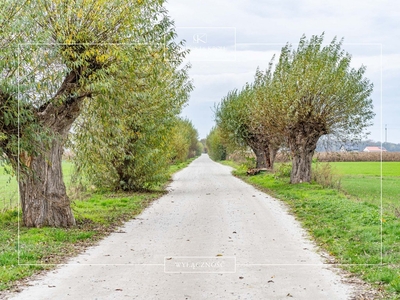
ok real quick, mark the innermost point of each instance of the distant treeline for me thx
(356, 156)
(334, 146)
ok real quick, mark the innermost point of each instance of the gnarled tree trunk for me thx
(261, 158)
(302, 147)
(43, 195)
(301, 166)
(265, 157)
(272, 154)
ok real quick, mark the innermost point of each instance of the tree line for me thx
(103, 78)
(310, 92)
(334, 146)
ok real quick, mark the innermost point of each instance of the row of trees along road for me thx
(311, 91)
(107, 70)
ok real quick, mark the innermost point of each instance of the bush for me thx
(184, 141)
(325, 175)
(249, 163)
(216, 149)
(284, 170)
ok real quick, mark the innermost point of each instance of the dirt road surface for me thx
(211, 237)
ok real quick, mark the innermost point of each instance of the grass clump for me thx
(325, 175)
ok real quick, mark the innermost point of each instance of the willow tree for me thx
(128, 145)
(234, 117)
(183, 140)
(14, 116)
(66, 56)
(215, 147)
(264, 121)
(319, 93)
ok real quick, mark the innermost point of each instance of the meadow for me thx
(363, 182)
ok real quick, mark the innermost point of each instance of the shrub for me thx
(216, 149)
(284, 170)
(325, 175)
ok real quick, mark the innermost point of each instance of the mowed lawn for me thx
(9, 187)
(363, 181)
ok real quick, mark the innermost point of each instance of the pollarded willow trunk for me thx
(43, 195)
(272, 155)
(302, 159)
(261, 158)
(301, 167)
(265, 157)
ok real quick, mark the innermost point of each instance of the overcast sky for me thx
(229, 39)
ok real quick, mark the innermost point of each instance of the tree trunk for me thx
(261, 158)
(301, 167)
(267, 155)
(42, 191)
(302, 158)
(272, 155)
(302, 143)
(43, 195)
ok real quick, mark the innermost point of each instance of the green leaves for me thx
(184, 141)
(124, 138)
(312, 92)
(321, 88)
(216, 149)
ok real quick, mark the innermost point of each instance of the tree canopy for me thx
(127, 145)
(215, 147)
(85, 60)
(319, 93)
(312, 91)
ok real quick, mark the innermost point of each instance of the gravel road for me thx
(211, 237)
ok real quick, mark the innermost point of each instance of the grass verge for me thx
(347, 228)
(96, 217)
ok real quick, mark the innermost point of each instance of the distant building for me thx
(374, 149)
(347, 148)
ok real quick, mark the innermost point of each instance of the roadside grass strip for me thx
(39, 249)
(346, 223)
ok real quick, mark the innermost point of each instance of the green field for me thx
(9, 187)
(8, 191)
(370, 168)
(363, 181)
